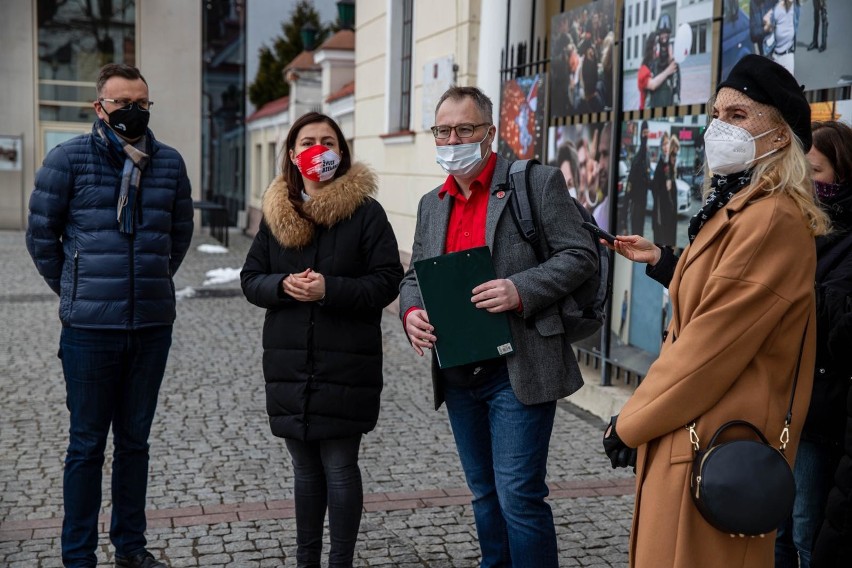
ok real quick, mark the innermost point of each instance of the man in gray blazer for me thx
(502, 410)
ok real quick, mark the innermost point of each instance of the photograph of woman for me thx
(323, 264)
(740, 318)
(664, 190)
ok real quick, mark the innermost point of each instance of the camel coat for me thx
(741, 295)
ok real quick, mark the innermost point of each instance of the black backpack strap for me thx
(518, 178)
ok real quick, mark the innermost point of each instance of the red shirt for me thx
(466, 228)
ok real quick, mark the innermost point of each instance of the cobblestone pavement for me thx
(220, 490)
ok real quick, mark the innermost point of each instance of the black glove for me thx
(619, 454)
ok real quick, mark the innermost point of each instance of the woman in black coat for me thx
(830, 414)
(324, 264)
(664, 212)
(821, 444)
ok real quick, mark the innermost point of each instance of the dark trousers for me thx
(326, 476)
(112, 379)
(503, 446)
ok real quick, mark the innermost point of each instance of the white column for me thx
(492, 39)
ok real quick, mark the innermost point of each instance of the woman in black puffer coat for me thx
(324, 264)
(821, 448)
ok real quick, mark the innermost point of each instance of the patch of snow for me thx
(221, 276)
(212, 249)
(185, 293)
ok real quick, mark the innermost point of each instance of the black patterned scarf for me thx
(134, 163)
(723, 189)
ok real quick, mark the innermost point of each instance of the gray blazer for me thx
(542, 367)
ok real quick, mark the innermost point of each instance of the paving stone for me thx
(215, 467)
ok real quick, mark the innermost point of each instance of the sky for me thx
(264, 25)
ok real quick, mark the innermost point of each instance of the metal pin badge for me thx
(500, 194)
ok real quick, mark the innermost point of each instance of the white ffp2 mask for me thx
(730, 149)
(460, 159)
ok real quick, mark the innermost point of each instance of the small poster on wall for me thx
(438, 76)
(521, 135)
(582, 56)
(795, 34)
(10, 153)
(667, 51)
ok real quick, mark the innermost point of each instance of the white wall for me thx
(173, 71)
(17, 113)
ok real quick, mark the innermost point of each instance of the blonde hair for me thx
(787, 171)
(674, 145)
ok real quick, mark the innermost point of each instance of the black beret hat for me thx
(767, 82)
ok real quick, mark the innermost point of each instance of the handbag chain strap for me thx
(788, 419)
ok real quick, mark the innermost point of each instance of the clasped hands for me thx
(619, 454)
(498, 295)
(305, 286)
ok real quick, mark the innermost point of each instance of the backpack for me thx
(583, 312)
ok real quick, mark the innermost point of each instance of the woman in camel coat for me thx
(742, 300)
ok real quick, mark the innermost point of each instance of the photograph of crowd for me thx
(582, 57)
(521, 134)
(795, 33)
(582, 153)
(666, 54)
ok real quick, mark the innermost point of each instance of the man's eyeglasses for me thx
(126, 104)
(442, 132)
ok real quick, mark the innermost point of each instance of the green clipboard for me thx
(466, 334)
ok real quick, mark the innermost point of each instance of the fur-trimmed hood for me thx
(337, 202)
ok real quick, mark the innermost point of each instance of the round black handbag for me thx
(742, 487)
(745, 487)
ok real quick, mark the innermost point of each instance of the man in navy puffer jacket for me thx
(110, 222)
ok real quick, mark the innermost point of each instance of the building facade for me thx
(49, 63)
(320, 80)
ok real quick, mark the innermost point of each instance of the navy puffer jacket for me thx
(106, 279)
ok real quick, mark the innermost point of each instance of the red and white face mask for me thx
(317, 163)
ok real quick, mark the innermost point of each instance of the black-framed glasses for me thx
(126, 104)
(466, 130)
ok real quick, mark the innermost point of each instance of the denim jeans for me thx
(813, 472)
(112, 378)
(326, 474)
(503, 447)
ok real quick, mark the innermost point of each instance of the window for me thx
(75, 39)
(629, 19)
(702, 38)
(273, 161)
(400, 33)
(645, 11)
(258, 170)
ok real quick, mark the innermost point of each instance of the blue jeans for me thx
(326, 474)
(112, 378)
(503, 447)
(813, 472)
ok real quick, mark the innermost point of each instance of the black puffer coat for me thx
(322, 361)
(830, 414)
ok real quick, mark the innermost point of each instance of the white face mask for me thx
(730, 149)
(461, 159)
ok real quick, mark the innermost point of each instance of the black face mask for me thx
(130, 122)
